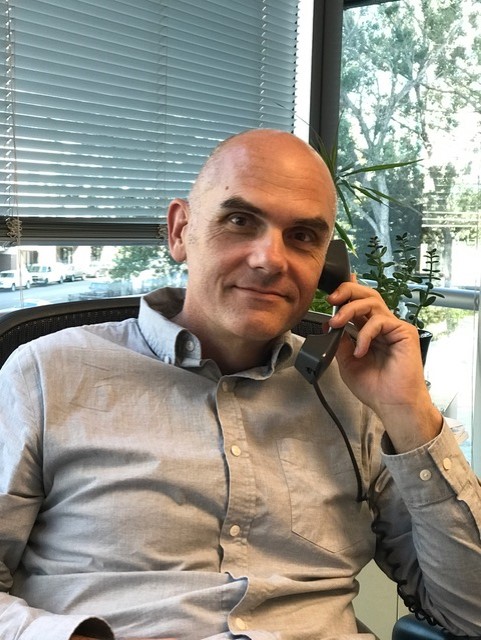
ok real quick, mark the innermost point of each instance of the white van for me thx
(14, 279)
(47, 273)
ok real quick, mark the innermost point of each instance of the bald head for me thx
(254, 234)
(260, 152)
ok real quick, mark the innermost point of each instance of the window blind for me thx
(109, 109)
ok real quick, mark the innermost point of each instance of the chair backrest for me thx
(29, 323)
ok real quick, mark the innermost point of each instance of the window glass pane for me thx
(60, 274)
(410, 92)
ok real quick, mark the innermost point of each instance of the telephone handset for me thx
(318, 351)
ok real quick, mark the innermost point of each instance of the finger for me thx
(385, 331)
(352, 290)
(373, 329)
(359, 311)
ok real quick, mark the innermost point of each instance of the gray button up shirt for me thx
(140, 486)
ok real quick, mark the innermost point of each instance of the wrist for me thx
(411, 426)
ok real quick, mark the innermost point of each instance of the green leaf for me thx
(380, 167)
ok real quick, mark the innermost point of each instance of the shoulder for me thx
(110, 335)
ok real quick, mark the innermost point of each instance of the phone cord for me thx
(361, 495)
(411, 602)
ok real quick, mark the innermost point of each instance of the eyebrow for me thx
(238, 203)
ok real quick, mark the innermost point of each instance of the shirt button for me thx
(235, 450)
(234, 530)
(167, 359)
(240, 624)
(225, 386)
(425, 474)
(447, 463)
(189, 345)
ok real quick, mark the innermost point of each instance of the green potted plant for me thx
(346, 183)
(405, 290)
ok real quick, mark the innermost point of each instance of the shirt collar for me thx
(175, 345)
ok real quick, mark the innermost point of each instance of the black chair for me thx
(29, 323)
(408, 627)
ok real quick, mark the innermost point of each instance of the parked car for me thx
(13, 279)
(96, 270)
(47, 273)
(73, 273)
(106, 289)
(147, 280)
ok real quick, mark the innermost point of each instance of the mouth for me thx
(262, 293)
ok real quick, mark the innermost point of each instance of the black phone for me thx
(317, 352)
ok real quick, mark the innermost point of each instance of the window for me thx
(109, 109)
(410, 90)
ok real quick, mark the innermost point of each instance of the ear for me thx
(177, 220)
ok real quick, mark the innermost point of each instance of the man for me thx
(177, 477)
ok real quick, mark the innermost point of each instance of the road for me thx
(51, 293)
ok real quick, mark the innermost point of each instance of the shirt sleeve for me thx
(21, 494)
(19, 621)
(428, 528)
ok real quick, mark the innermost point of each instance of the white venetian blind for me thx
(109, 108)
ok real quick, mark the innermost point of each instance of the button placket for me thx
(241, 491)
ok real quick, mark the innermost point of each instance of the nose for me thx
(268, 252)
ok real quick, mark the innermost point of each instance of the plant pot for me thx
(424, 341)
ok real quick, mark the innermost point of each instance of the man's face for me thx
(255, 237)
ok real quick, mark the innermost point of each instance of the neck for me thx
(235, 358)
(229, 352)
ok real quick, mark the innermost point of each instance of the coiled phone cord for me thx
(411, 602)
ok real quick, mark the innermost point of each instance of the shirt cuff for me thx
(434, 472)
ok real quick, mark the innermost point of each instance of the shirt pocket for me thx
(322, 491)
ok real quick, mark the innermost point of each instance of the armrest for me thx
(408, 627)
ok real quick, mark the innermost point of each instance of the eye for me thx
(242, 222)
(239, 219)
(304, 235)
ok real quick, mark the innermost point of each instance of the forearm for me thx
(432, 535)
